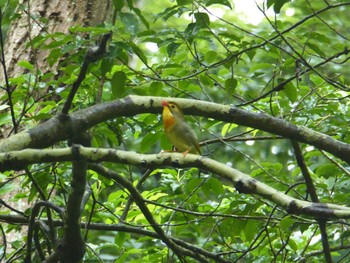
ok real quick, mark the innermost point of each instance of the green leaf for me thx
(230, 85)
(106, 65)
(183, 2)
(54, 55)
(138, 52)
(121, 237)
(118, 84)
(262, 66)
(231, 35)
(291, 92)
(227, 128)
(156, 88)
(250, 230)
(142, 18)
(130, 21)
(219, 2)
(270, 3)
(6, 188)
(293, 245)
(278, 5)
(191, 31)
(171, 48)
(213, 187)
(326, 170)
(172, 11)
(202, 19)
(206, 80)
(148, 141)
(210, 56)
(26, 64)
(286, 224)
(118, 4)
(316, 48)
(216, 186)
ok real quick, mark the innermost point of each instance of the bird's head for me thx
(172, 108)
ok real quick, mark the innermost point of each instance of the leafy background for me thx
(205, 51)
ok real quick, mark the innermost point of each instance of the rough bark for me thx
(46, 17)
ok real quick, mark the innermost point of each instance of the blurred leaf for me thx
(183, 2)
(270, 3)
(54, 56)
(130, 21)
(230, 85)
(316, 48)
(191, 31)
(286, 224)
(202, 19)
(156, 88)
(259, 66)
(220, 2)
(142, 18)
(118, 4)
(138, 52)
(210, 56)
(216, 186)
(3, 107)
(291, 92)
(228, 127)
(171, 48)
(26, 65)
(326, 170)
(148, 141)
(278, 5)
(293, 245)
(106, 65)
(118, 84)
(250, 230)
(6, 188)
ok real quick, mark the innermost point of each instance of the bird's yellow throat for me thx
(168, 118)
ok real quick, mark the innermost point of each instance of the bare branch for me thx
(242, 182)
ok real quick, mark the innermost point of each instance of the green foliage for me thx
(201, 50)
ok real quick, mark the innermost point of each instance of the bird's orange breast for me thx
(168, 119)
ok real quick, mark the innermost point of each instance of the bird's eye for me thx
(173, 106)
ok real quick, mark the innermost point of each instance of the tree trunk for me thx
(38, 16)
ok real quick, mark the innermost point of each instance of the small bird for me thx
(178, 131)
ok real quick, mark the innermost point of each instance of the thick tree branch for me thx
(243, 183)
(59, 128)
(72, 246)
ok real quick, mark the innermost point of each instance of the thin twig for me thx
(312, 191)
(91, 55)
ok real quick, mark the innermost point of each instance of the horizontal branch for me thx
(62, 127)
(242, 182)
(12, 219)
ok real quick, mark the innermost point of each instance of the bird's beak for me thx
(164, 103)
